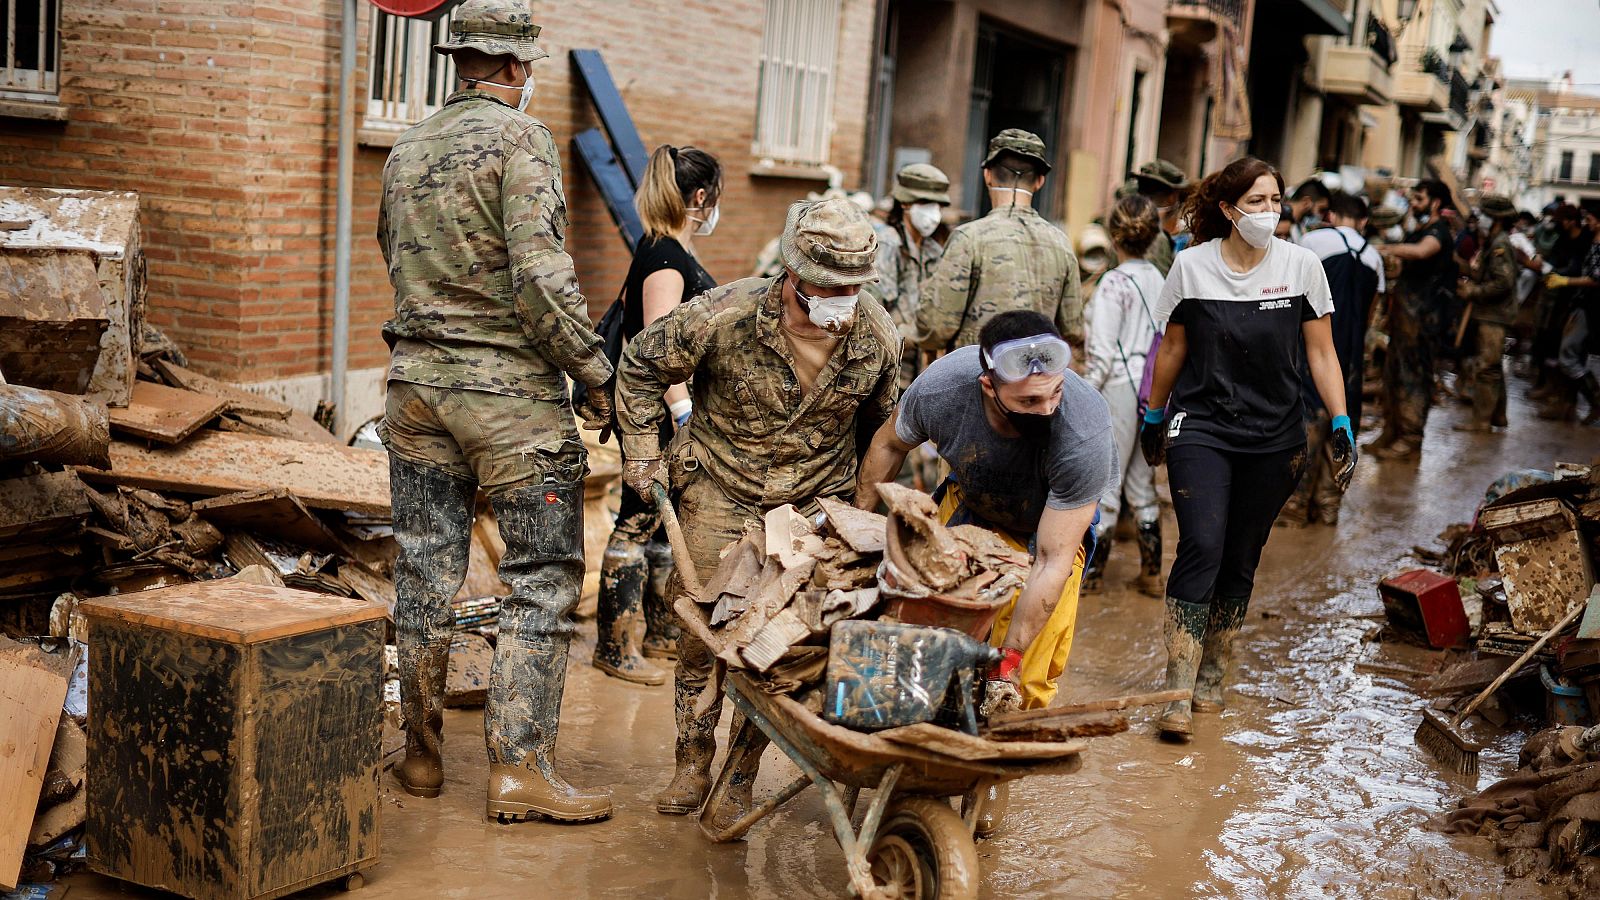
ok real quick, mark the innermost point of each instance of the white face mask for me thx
(924, 217)
(1395, 234)
(834, 315)
(527, 88)
(1484, 225)
(1257, 228)
(709, 223)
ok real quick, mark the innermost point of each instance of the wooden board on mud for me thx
(216, 462)
(950, 742)
(238, 399)
(31, 693)
(273, 512)
(168, 415)
(42, 506)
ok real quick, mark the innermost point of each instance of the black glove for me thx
(1153, 437)
(1343, 446)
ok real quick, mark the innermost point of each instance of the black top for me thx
(1418, 276)
(652, 256)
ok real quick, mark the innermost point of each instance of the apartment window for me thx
(32, 47)
(794, 99)
(1566, 166)
(407, 80)
(1594, 168)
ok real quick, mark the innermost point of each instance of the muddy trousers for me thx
(1488, 385)
(1407, 375)
(633, 579)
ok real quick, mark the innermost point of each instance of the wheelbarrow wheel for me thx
(923, 851)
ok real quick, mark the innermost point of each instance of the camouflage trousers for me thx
(443, 445)
(1407, 374)
(1487, 386)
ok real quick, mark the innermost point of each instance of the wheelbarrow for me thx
(911, 843)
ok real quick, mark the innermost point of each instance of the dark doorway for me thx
(1017, 82)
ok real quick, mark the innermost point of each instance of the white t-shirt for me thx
(1325, 242)
(1239, 388)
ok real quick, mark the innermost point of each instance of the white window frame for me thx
(400, 92)
(795, 85)
(35, 82)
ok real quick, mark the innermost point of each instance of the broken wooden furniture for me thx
(1543, 559)
(234, 738)
(911, 843)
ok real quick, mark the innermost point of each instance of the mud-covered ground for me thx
(1309, 785)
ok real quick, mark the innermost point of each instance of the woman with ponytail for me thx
(1244, 312)
(677, 201)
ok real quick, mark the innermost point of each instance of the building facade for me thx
(224, 118)
(1565, 146)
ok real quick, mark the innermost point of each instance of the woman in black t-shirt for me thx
(1243, 312)
(677, 201)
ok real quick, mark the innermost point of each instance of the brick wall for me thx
(223, 115)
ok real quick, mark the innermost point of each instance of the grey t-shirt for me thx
(1009, 481)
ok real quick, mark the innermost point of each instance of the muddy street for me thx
(1309, 785)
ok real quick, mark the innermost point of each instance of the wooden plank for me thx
(42, 506)
(297, 427)
(239, 400)
(1081, 725)
(596, 78)
(1108, 705)
(273, 512)
(600, 161)
(961, 745)
(161, 413)
(217, 462)
(31, 694)
(231, 610)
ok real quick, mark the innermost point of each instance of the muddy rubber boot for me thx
(693, 751)
(617, 613)
(1183, 627)
(1562, 405)
(1216, 659)
(993, 813)
(1149, 581)
(542, 526)
(740, 796)
(661, 626)
(433, 527)
(1589, 387)
(1094, 571)
(422, 677)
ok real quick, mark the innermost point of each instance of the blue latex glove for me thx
(1343, 446)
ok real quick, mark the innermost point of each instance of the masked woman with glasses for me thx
(678, 201)
(1243, 313)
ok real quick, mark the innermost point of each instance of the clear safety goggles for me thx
(1015, 360)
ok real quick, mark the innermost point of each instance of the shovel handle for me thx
(1571, 616)
(680, 548)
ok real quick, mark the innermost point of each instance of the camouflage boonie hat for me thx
(1023, 143)
(830, 243)
(1497, 206)
(1127, 188)
(920, 181)
(1161, 172)
(495, 28)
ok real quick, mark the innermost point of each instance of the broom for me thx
(1442, 738)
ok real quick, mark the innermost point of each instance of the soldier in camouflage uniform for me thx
(1491, 288)
(1165, 184)
(786, 372)
(488, 324)
(906, 254)
(1010, 259)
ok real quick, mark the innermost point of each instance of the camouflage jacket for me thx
(473, 225)
(1010, 259)
(901, 274)
(1491, 285)
(752, 431)
(1160, 253)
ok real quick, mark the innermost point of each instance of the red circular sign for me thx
(416, 9)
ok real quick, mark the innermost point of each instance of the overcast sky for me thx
(1543, 38)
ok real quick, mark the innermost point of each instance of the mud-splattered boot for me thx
(661, 626)
(543, 529)
(696, 737)
(433, 527)
(618, 611)
(1149, 582)
(740, 796)
(993, 814)
(1183, 627)
(1094, 571)
(1589, 387)
(1216, 660)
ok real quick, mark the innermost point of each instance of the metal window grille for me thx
(408, 81)
(794, 99)
(32, 31)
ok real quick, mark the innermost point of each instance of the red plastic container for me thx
(1427, 605)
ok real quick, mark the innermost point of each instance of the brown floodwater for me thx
(1309, 785)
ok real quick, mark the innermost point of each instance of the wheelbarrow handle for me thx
(680, 548)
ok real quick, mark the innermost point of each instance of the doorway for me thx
(1017, 82)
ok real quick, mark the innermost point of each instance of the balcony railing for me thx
(1458, 93)
(1381, 41)
(1233, 10)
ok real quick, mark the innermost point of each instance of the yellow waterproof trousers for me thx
(1046, 658)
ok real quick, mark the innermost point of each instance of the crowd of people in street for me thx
(1231, 343)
